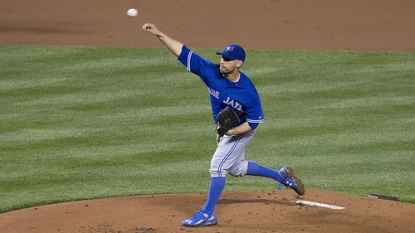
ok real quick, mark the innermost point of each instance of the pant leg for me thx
(229, 156)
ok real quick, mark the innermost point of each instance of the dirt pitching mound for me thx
(254, 211)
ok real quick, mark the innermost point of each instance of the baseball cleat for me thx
(291, 181)
(200, 219)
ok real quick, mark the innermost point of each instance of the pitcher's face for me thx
(228, 66)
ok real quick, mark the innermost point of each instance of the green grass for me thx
(91, 122)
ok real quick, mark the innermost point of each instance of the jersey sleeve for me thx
(253, 112)
(195, 63)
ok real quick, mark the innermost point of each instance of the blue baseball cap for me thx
(234, 52)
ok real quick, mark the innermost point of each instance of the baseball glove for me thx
(227, 119)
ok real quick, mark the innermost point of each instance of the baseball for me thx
(132, 12)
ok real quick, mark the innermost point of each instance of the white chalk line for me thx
(312, 203)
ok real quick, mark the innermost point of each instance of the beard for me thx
(225, 71)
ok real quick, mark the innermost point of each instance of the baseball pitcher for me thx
(237, 111)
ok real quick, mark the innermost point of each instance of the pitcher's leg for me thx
(217, 184)
(255, 169)
(285, 176)
(229, 155)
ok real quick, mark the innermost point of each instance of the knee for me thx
(239, 170)
(217, 173)
(237, 173)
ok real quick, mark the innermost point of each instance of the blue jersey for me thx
(242, 96)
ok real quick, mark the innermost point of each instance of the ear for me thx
(239, 63)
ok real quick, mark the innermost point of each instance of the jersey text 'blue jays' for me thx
(242, 96)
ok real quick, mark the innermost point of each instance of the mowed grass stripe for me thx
(90, 122)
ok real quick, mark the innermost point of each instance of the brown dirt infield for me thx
(380, 25)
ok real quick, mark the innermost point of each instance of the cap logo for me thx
(229, 48)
